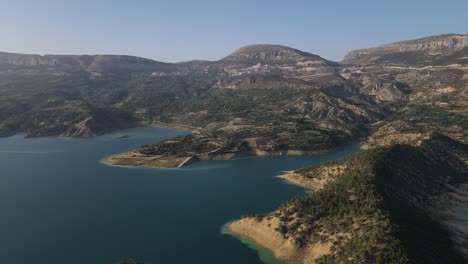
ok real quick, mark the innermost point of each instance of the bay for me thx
(59, 204)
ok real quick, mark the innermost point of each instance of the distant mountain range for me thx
(69, 95)
(96, 63)
(434, 47)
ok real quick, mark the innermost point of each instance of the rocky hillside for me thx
(385, 205)
(424, 80)
(435, 50)
(281, 61)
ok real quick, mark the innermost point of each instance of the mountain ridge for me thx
(427, 48)
(253, 82)
(48, 57)
(444, 40)
(96, 63)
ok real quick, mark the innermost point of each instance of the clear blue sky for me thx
(184, 30)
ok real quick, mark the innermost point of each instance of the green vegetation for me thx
(50, 102)
(181, 146)
(432, 118)
(378, 208)
(412, 124)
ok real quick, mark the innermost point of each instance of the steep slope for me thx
(385, 205)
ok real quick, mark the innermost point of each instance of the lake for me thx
(60, 205)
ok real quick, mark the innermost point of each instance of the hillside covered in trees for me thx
(384, 205)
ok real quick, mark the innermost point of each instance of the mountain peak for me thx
(261, 47)
(270, 53)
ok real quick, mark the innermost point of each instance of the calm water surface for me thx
(59, 205)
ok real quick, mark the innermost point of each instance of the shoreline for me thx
(265, 254)
(262, 230)
(134, 159)
(291, 177)
(262, 233)
(107, 132)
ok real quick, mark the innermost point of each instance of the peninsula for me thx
(385, 205)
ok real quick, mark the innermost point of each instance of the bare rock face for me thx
(419, 51)
(385, 90)
(81, 129)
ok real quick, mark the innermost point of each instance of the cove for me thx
(59, 204)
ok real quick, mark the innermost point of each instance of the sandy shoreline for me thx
(297, 179)
(264, 234)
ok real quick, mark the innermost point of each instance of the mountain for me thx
(95, 63)
(274, 54)
(281, 61)
(287, 99)
(66, 88)
(435, 50)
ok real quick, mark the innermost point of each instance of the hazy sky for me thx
(185, 30)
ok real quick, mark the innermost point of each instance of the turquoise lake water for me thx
(60, 205)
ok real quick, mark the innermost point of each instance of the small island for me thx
(120, 136)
